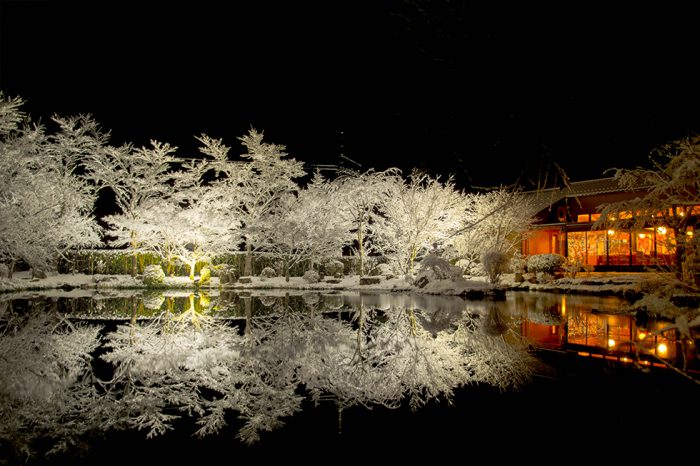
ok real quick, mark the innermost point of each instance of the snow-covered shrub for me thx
(571, 268)
(547, 263)
(495, 263)
(434, 267)
(335, 268)
(518, 263)
(204, 275)
(4, 271)
(227, 273)
(153, 275)
(268, 272)
(311, 276)
(544, 277)
(383, 269)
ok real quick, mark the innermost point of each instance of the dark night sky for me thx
(482, 92)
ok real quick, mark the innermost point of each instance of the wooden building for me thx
(564, 226)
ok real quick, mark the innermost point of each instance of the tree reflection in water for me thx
(187, 364)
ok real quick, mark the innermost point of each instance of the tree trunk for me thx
(248, 267)
(679, 259)
(11, 269)
(192, 265)
(286, 271)
(360, 250)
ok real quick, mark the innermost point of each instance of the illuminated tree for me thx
(417, 215)
(45, 204)
(304, 226)
(266, 177)
(361, 197)
(494, 221)
(136, 176)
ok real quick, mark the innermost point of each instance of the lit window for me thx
(582, 218)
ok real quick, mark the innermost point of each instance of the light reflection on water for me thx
(79, 367)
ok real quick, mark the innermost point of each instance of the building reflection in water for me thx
(563, 322)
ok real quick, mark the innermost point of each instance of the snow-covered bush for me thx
(311, 276)
(518, 263)
(547, 263)
(434, 267)
(572, 268)
(335, 268)
(268, 272)
(153, 275)
(227, 273)
(204, 276)
(495, 263)
(4, 271)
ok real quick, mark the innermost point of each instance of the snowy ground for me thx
(74, 285)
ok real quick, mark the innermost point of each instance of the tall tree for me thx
(418, 214)
(361, 196)
(45, 204)
(304, 226)
(495, 220)
(267, 176)
(135, 176)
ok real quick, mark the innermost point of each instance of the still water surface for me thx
(184, 375)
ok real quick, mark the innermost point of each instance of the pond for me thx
(156, 376)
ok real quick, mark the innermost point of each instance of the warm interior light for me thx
(642, 236)
(611, 232)
(611, 343)
(661, 230)
(641, 335)
(563, 305)
(662, 350)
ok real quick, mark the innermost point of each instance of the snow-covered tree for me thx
(304, 226)
(136, 176)
(417, 215)
(45, 204)
(267, 176)
(672, 192)
(494, 221)
(360, 199)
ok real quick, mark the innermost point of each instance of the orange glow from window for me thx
(661, 230)
(582, 218)
(662, 350)
(595, 217)
(611, 232)
(611, 343)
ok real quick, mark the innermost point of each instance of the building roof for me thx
(547, 197)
